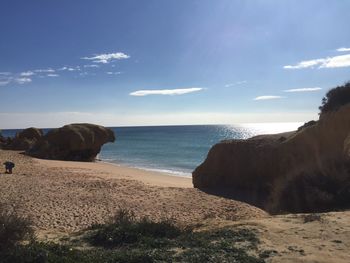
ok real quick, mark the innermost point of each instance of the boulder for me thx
(30, 134)
(74, 142)
(23, 140)
(257, 170)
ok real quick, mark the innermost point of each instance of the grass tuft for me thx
(13, 229)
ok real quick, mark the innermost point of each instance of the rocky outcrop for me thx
(75, 142)
(253, 170)
(23, 140)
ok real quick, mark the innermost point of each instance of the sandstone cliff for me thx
(259, 169)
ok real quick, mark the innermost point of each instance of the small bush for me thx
(312, 217)
(39, 252)
(126, 229)
(165, 242)
(13, 229)
(134, 240)
(307, 124)
(335, 98)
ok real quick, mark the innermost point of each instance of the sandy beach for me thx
(71, 196)
(65, 197)
(105, 170)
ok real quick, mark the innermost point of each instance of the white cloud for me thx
(337, 62)
(49, 70)
(329, 62)
(23, 80)
(305, 64)
(343, 49)
(113, 73)
(303, 89)
(4, 82)
(235, 83)
(106, 58)
(65, 68)
(5, 73)
(27, 73)
(268, 97)
(91, 66)
(52, 75)
(164, 92)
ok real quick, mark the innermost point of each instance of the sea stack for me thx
(23, 140)
(73, 142)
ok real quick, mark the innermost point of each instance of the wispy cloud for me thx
(66, 68)
(303, 89)
(235, 83)
(84, 74)
(52, 75)
(91, 66)
(329, 62)
(268, 97)
(23, 80)
(27, 74)
(343, 49)
(4, 82)
(48, 70)
(108, 57)
(165, 92)
(5, 78)
(113, 73)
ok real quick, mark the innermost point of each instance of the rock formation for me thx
(23, 140)
(76, 142)
(259, 169)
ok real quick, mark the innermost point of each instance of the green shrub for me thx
(335, 98)
(39, 252)
(126, 229)
(135, 240)
(163, 241)
(13, 229)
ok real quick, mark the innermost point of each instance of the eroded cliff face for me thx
(252, 169)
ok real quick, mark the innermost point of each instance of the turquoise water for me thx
(176, 150)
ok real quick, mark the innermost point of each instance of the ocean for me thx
(175, 150)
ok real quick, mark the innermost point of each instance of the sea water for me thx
(176, 150)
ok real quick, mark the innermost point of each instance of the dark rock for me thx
(74, 142)
(23, 140)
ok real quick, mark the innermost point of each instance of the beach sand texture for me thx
(67, 196)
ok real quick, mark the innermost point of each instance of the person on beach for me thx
(8, 167)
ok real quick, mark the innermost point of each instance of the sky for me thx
(162, 62)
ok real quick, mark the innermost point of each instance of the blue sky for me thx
(169, 62)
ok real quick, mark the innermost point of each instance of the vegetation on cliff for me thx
(304, 171)
(335, 98)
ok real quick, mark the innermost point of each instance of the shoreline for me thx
(107, 170)
(161, 171)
